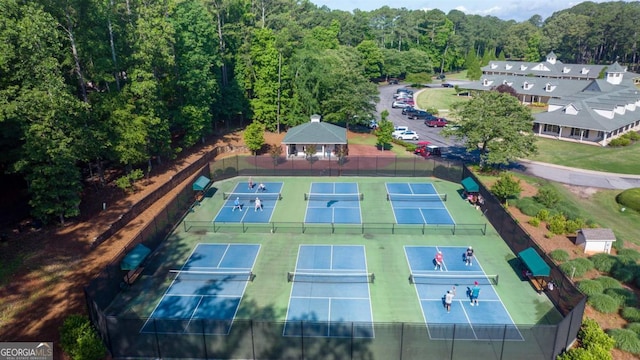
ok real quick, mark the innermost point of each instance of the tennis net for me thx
(252, 196)
(191, 275)
(453, 279)
(417, 197)
(331, 277)
(334, 197)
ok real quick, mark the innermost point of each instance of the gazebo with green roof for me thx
(327, 138)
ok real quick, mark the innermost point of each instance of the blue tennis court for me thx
(247, 196)
(209, 286)
(333, 203)
(418, 203)
(486, 321)
(330, 293)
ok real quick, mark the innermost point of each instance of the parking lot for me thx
(431, 134)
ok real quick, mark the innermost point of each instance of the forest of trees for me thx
(127, 84)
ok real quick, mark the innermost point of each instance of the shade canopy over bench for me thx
(470, 185)
(201, 184)
(135, 257)
(534, 262)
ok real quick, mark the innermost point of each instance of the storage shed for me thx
(596, 240)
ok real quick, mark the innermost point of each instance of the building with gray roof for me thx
(582, 106)
(326, 138)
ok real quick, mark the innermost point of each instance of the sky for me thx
(519, 10)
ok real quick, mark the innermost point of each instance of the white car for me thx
(407, 135)
(399, 104)
(399, 129)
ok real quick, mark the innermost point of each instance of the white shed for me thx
(596, 240)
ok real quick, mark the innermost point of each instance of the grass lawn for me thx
(371, 139)
(439, 98)
(617, 160)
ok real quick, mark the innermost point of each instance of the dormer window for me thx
(487, 82)
(548, 87)
(584, 71)
(508, 67)
(527, 85)
(566, 70)
(508, 83)
(523, 67)
(494, 66)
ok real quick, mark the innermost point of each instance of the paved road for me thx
(562, 174)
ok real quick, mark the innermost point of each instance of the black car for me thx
(447, 85)
(393, 82)
(408, 110)
(421, 115)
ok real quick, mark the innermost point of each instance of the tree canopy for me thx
(127, 84)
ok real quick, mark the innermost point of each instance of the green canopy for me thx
(201, 183)
(534, 262)
(470, 185)
(135, 257)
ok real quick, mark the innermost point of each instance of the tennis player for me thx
(475, 292)
(237, 205)
(438, 260)
(448, 299)
(258, 205)
(262, 188)
(468, 256)
(250, 183)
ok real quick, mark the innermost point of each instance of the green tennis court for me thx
(393, 296)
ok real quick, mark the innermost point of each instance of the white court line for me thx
(424, 316)
(284, 328)
(329, 297)
(223, 255)
(468, 320)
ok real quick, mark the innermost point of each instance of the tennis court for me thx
(486, 321)
(333, 202)
(209, 286)
(247, 197)
(330, 294)
(418, 203)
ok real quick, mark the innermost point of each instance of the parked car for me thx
(404, 90)
(399, 104)
(421, 115)
(447, 85)
(407, 135)
(373, 124)
(408, 110)
(437, 122)
(393, 81)
(399, 129)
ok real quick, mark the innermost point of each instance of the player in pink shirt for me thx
(438, 260)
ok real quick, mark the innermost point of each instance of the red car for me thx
(437, 122)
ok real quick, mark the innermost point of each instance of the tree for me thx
(254, 137)
(497, 124)
(506, 89)
(474, 72)
(506, 187)
(384, 131)
(372, 58)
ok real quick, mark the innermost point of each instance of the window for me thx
(548, 128)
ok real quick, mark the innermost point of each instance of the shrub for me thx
(635, 327)
(534, 222)
(624, 296)
(604, 262)
(574, 268)
(559, 255)
(618, 244)
(593, 353)
(543, 214)
(592, 335)
(590, 287)
(528, 206)
(633, 136)
(572, 226)
(557, 224)
(631, 314)
(626, 340)
(632, 254)
(604, 303)
(630, 198)
(608, 282)
(623, 273)
(80, 340)
(584, 263)
(547, 196)
(621, 141)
